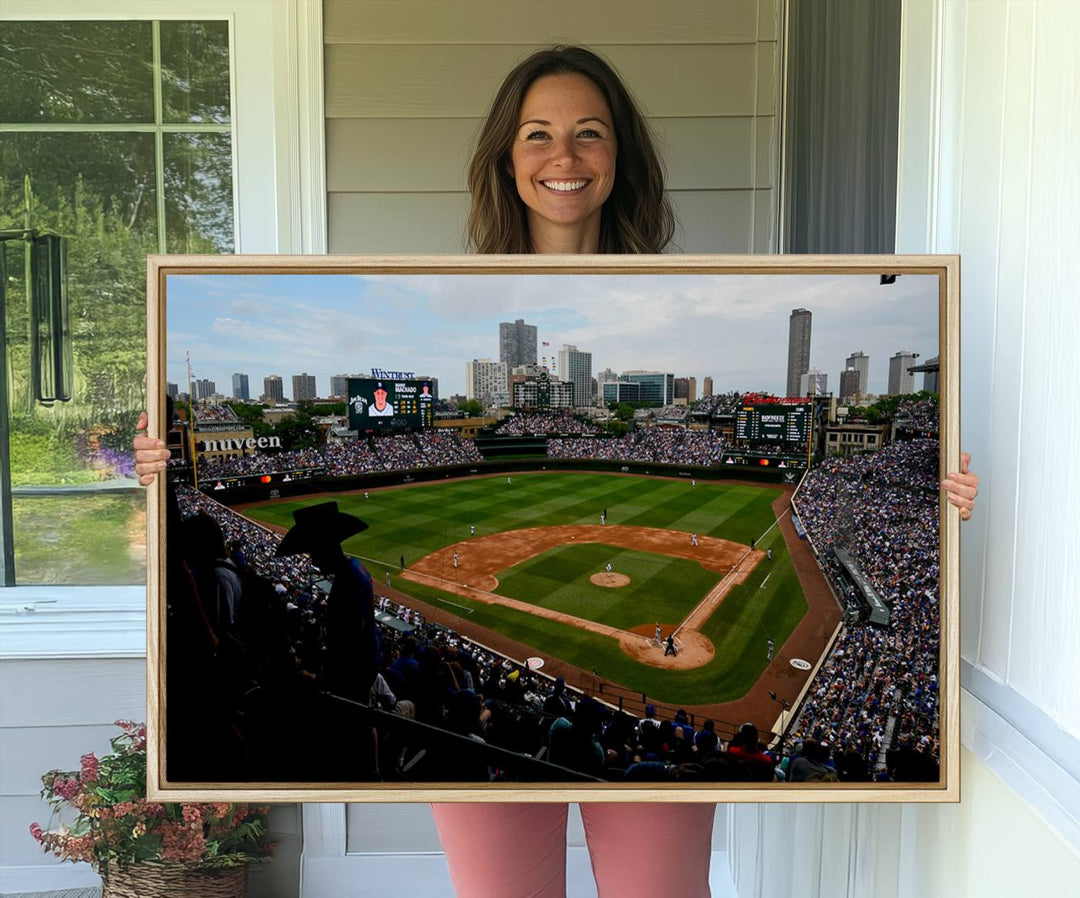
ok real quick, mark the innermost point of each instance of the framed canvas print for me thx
(554, 528)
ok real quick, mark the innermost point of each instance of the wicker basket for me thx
(174, 881)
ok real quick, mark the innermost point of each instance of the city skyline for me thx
(733, 329)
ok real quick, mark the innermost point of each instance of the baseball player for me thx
(693, 539)
(472, 530)
(455, 560)
(603, 518)
(608, 567)
(771, 645)
(658, 636)
(768, 554)
(388, 578)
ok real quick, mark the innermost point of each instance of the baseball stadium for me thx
(693, 595)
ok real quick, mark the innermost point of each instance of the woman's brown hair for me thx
(636, 218)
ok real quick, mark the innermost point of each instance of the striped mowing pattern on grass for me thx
(417, 520)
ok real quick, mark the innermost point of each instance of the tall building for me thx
(517, 343)
(171, 389)
(930, 378)
(860, 361)
(706, 387)
(902, 381)
(273, 389)
(303, 387)
(240, 387)
(339, 384)
(686, 388)
(813, 383)
(798, 348)
(656, 386)
(485, 379)
(576, 367)
(849, 384)
(204, 388)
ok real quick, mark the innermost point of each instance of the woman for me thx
(565, 164)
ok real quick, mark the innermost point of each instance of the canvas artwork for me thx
(517, 529)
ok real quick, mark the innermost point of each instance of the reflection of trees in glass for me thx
(198, 193)
(195, 71)
(98, 187)
(76, 72)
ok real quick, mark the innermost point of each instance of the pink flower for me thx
(65, 788)
(36, 832)
(89, 767)
(192, 814)
(123, 808)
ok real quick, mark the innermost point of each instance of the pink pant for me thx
(519, 850)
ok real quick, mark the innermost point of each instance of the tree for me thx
(472, 408)
(298, 431)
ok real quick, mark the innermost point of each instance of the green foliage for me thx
(298, 431)
(251, 413)
(472, 408)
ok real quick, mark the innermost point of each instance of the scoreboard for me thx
(390, 404)
(773, 423)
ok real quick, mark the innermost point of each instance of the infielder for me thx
(455, 561)
(472, 530)
(693, 539)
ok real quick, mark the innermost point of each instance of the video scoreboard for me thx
(390, 403)
(773, 423)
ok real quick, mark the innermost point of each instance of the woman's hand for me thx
(150, 454)
(962, 488)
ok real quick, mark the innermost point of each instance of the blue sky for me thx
(731, 327)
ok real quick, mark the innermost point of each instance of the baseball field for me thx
(527, 557)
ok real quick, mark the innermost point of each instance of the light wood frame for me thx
(946, 268)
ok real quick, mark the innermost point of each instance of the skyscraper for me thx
(860, 361)
(798, 349)
(339, 385)
(576, 367)
(706, 388)
(303, 387)
(686, 388)
(814, 383)
(484, 379)
(517, 343)
(240, 387)
(849, 384)
(901, 381)
(273, 389)
(204, 388)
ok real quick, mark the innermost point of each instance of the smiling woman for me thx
(560, 118)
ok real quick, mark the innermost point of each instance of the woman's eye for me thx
(536, 135)
(589, 132)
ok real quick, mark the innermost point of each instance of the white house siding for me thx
(408, 82)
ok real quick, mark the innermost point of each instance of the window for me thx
(118, 136)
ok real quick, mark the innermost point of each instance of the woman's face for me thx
(563, 155)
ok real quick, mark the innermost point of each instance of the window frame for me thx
(276, 65)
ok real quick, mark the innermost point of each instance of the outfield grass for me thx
(417, 520)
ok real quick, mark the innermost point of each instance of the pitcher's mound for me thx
(611, 579)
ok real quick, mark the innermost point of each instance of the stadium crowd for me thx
(394, 452)
(544, 423)
(877, 690)
(666, 445)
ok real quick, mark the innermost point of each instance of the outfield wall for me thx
(260, 492)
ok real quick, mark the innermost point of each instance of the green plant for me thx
(115, 823)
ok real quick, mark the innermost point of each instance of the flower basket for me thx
(173, 881)
(146, 849)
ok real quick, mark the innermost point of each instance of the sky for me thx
(733, 328)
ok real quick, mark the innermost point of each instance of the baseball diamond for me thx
(534, 572)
